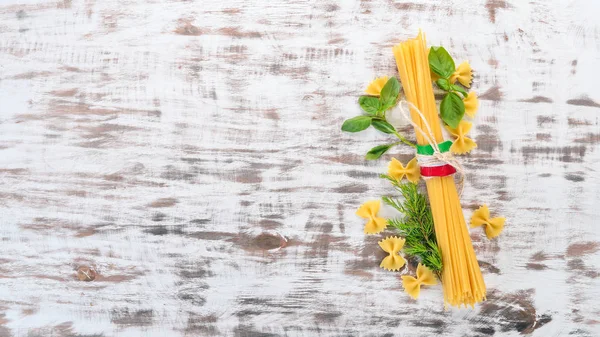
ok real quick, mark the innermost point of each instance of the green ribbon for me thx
(428, 149)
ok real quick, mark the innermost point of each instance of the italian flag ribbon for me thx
(433, 168)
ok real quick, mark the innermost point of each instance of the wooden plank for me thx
(176, 168)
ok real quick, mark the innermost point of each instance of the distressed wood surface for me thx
(176, 168)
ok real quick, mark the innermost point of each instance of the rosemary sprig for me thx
(417, 224)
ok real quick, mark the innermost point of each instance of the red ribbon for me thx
(438, 171)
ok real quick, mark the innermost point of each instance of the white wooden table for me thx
(177, 168)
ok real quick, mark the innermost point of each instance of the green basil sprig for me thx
(452, 108)
(441, 62)
(375, 109)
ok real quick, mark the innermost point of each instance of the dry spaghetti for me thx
(461, 278)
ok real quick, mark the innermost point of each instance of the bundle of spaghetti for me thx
(461, 276)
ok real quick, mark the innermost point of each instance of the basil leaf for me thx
(377, 151)
(369, 104)
(452, 109)
(356, 124)
(385, 107)
(459, 89)
(389, 93)
(383, 126)
(443, 84)
(441, 62)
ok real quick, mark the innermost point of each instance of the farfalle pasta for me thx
(471, 104)
(462, 144)
(412, 285)
(493, 227)
(397, 171)
(463, 74)
(369, 210)
(374, 88)
(392, 246)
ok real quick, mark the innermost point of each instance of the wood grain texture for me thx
(176, 168)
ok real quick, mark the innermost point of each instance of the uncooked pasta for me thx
(461, 276)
